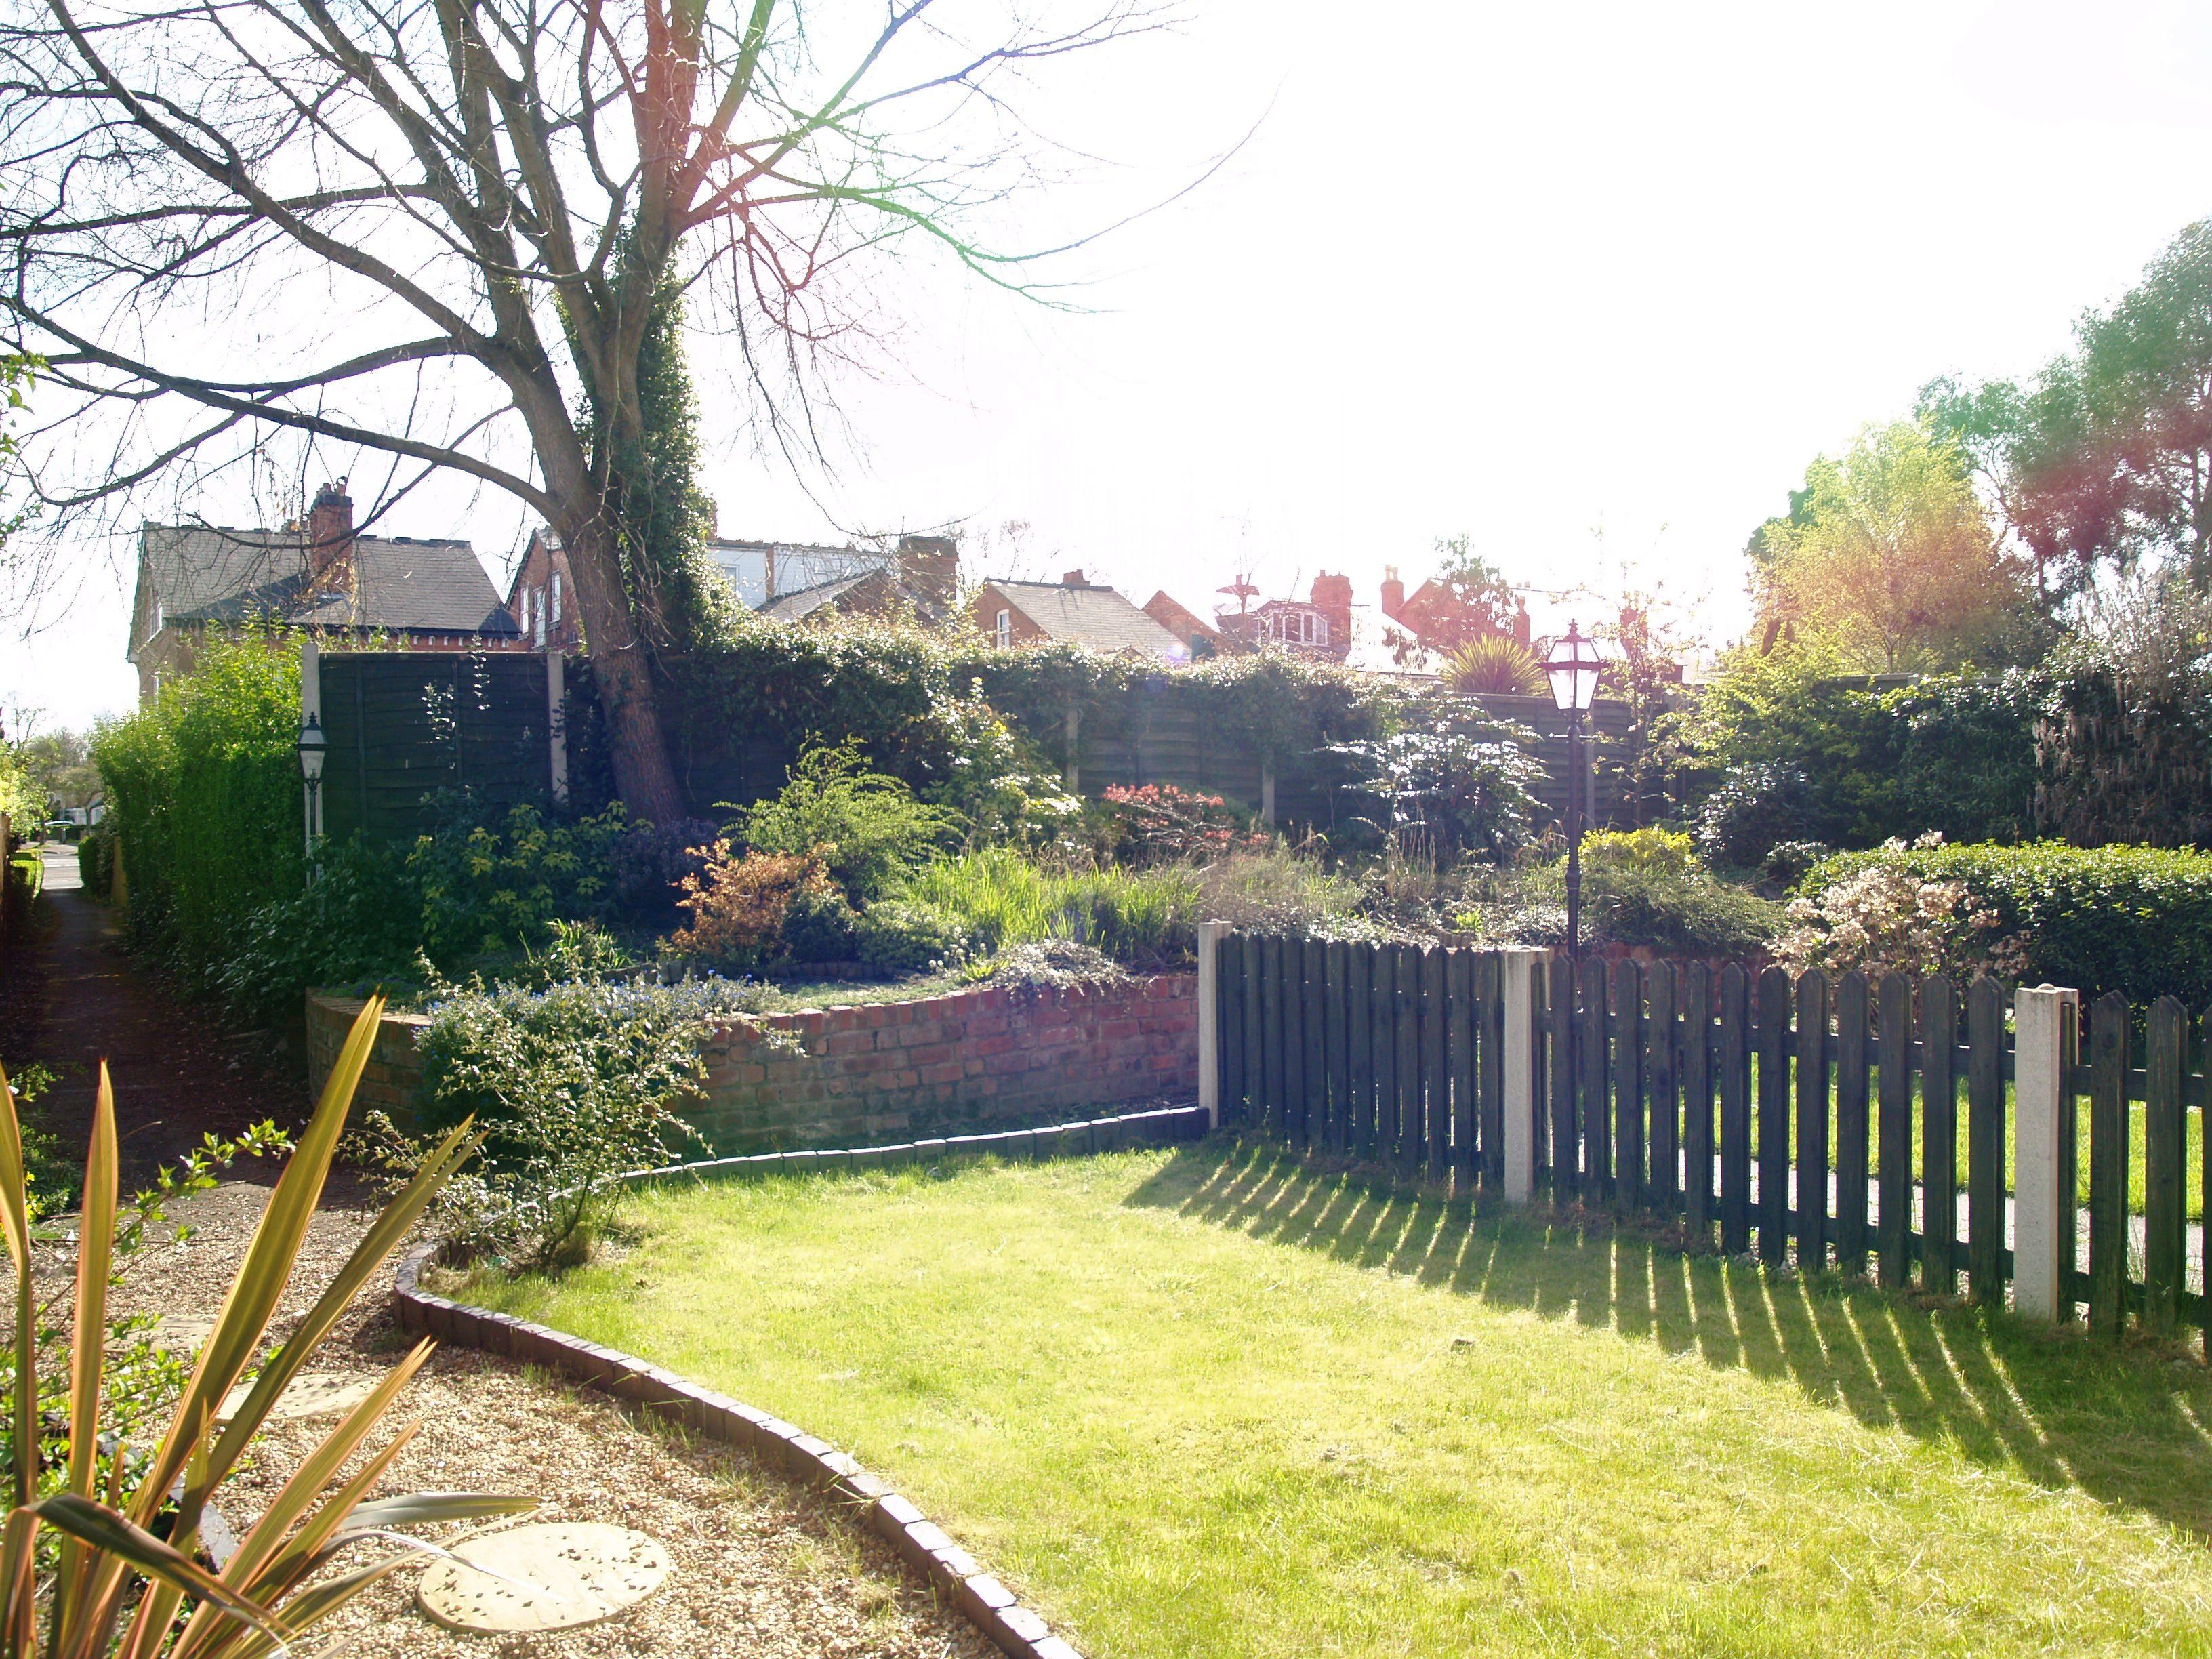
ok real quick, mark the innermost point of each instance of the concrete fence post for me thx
(1210, 934)
(2046, 1021)
(1521, 986)
(557, 723)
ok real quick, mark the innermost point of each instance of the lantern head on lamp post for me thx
(1573, 669)
(313, 747)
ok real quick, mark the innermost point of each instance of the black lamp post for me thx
(1573, 667)
(313, 747)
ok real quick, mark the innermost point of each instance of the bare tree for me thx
(441, 229)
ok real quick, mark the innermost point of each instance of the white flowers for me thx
(1884, 918)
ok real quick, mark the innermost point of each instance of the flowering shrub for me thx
(1158, 822)
(1879, 919)
(738, 905)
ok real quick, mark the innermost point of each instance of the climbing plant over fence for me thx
(1816, 1121)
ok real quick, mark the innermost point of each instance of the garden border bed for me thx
(1017, 1630)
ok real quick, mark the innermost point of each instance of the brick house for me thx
(1073, 610)
(1201, 638)
(1318, 626)
(410, 594)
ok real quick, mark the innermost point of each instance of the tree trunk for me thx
(620, 669)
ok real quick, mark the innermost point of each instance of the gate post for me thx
(2046, 1023)
(1210, 935)
(1521, 989)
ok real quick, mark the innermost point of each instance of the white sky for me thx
(1542, 274)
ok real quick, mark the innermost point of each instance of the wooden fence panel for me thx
(1774, 1042)
(1662, 1044)
(1459, 992)
(1383, 1010)
(1697, 1146)
(1985, 1141)
(1736, 1109)
(1229, 1024)
(1337, 1014)
(1271, 1035)
(2165, 1150)
(1853, 1027)
(1893, 1056)
(1626, 994)
(2108, 1165)
(1593, 1103)
(1360, 1051)
(1939, 1135)
(1489, 1066)
(1566, 1162)
(1313, 1120)
(1407, 1147)
(1436, 1077)
(1812, 1093)
(1291, 954)
(1255, 1046)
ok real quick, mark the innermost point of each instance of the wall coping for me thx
(1017, 1630)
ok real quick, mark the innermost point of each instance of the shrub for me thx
(2134, 920)
(1658, 851)
(96, 861)
(738, 905)
(865, 828)
(573, 1086)
(1882, 917)
(902, 936)
(1459, 790)
(1639, 898)
(501, 880)
(1756, 808)
(360, 920)
(820, 925)
(1158, 823)
(205, 794)
(646, 867)
(1275, 890)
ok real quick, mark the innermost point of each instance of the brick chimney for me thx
(330, 537)
(929, 566)
(1332, 597)
(1073, 579)
(1394, 593)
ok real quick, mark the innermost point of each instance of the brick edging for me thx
(1017, 1632)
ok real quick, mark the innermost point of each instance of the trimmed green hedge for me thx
(2134, 920)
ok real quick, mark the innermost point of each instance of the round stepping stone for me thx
(311, 1394)
(584, 1572)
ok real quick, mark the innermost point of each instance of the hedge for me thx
(206, 797)
(2134, 920)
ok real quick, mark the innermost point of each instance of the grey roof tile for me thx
(206, 573)
(1098, 617)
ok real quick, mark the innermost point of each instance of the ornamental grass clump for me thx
(100, 1551)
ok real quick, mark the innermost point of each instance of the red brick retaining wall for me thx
(977, 1060)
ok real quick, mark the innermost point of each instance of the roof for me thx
(1098, 617)
(212, 573)
(802, 602)
(764, 571)
(1180, 620)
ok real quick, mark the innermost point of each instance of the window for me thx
(1006, 629)
(538, 605)
(1297, 627)
(556, 598)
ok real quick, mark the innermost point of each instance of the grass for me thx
(1214, 1402)
(1144, 917)
(2192, 1180)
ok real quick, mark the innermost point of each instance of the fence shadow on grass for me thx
(2132, 1428)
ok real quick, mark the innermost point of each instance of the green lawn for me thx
(1207, 1403)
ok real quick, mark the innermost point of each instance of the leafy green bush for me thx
(96, 861)
(2134, 920)
(205, 794)
(360, 920)
(1641, 897)
(901, 936)
(502, 882)
(1464, 788)
(575, 1085)
(866, 827)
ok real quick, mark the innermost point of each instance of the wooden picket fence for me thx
(1814, 1120)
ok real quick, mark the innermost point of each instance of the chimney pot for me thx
(1073, 579)
(1394, 593)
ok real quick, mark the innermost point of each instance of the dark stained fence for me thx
(402, 726)
(1388, 1052)
(1816, 1120)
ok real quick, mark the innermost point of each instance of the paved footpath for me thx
(68, 998)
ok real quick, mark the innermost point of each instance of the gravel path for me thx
(762, 1568)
